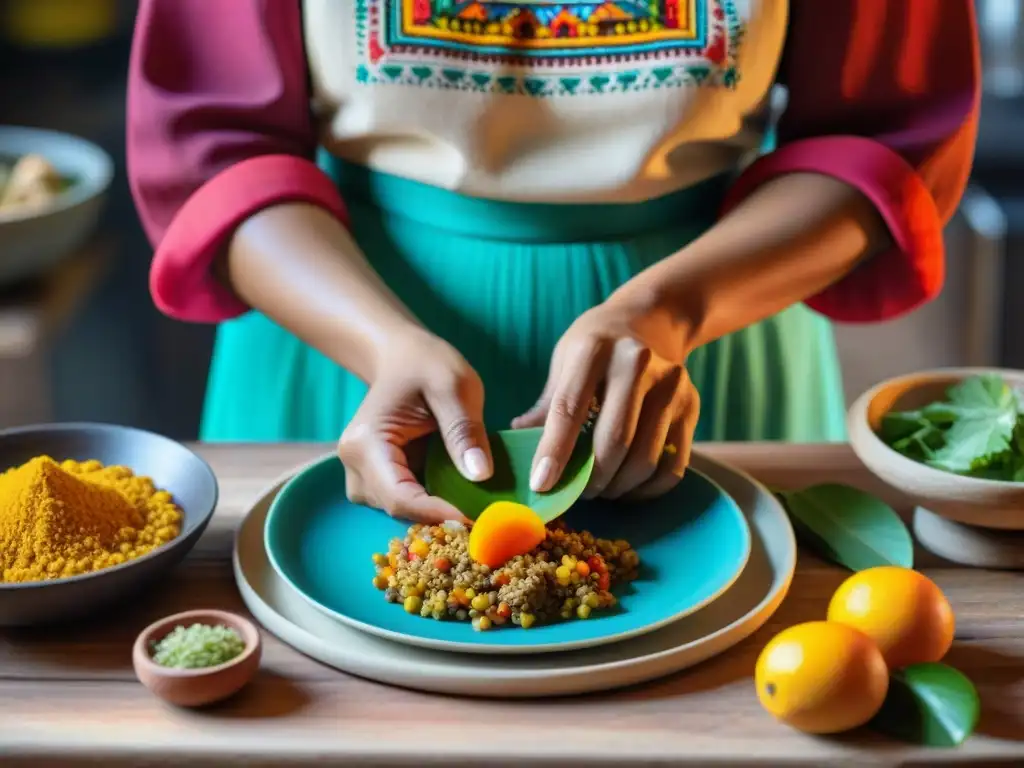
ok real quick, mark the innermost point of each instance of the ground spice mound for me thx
(59, 520)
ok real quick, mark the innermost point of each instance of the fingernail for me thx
(476, 464)
(543, 475)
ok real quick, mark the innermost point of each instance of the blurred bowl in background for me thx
(35, 240)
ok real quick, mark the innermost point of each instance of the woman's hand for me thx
(421, 386)
(630, 356)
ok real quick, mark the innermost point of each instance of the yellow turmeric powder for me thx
(59, 520)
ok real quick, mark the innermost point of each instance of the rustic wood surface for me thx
(68, 696)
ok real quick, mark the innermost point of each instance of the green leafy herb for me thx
(849, 527)
(513, 452)
(198, 646)
(977, 431)
(929, 704)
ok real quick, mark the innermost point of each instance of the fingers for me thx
(439, 392)
(625, 389)
(412, 502)
(567, 411)
(656, 417)
(458, 408)
(378, 475)
(673, 463)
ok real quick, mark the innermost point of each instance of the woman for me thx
(546, 202)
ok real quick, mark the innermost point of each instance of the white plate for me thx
(734, 616)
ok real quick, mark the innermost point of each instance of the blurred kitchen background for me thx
(85, 343)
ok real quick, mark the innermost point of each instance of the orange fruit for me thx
(821, 678)
(900, 609)
(503, 530)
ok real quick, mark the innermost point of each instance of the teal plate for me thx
(693, 544)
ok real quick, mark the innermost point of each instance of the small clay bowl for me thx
(971, 501)
(197, 687)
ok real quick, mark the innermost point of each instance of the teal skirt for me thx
(502, 282)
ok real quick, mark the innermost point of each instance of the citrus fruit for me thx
(900, 609)
(821, 677)
(503, 530)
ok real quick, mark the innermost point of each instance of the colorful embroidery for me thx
(548, 48)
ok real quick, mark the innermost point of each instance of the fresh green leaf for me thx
(513, 452)
(849, 527)
(975, 431)
(932, 705)
(922, 443)
(984, 409)
(901, 425)
(985, 391)
(940, 414)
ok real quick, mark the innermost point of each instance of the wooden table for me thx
(68, 697)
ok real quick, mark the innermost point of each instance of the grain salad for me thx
(569, 575)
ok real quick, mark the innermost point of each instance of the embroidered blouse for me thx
(553, 101)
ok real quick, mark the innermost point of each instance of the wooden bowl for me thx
(197, 687)
(972, 501)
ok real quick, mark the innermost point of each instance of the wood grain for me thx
(68, 696)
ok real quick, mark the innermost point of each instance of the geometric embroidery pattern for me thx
(546, 48)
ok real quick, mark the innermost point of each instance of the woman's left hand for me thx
(630, 356)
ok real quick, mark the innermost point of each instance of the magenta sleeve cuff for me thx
(890, 283)
(181, 278)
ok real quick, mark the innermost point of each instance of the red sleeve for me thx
(219, 127)
(883, 96)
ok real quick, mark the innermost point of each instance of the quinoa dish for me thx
(568, 575)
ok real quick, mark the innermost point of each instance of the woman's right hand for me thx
(421, 385)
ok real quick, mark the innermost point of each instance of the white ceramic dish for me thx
(733, 617)
(34, 241)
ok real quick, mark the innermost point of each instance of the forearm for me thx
(298, 265)
(789, 240)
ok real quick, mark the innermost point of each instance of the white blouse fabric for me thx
(569, 101)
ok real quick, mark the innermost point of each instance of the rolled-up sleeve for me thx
(219, 127)
(883, 96)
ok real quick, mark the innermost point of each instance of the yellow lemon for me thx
(902, 610)
(821, 678)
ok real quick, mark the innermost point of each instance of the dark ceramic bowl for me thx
(172, 466)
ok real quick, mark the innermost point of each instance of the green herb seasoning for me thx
(977, 431)
(198, 646)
